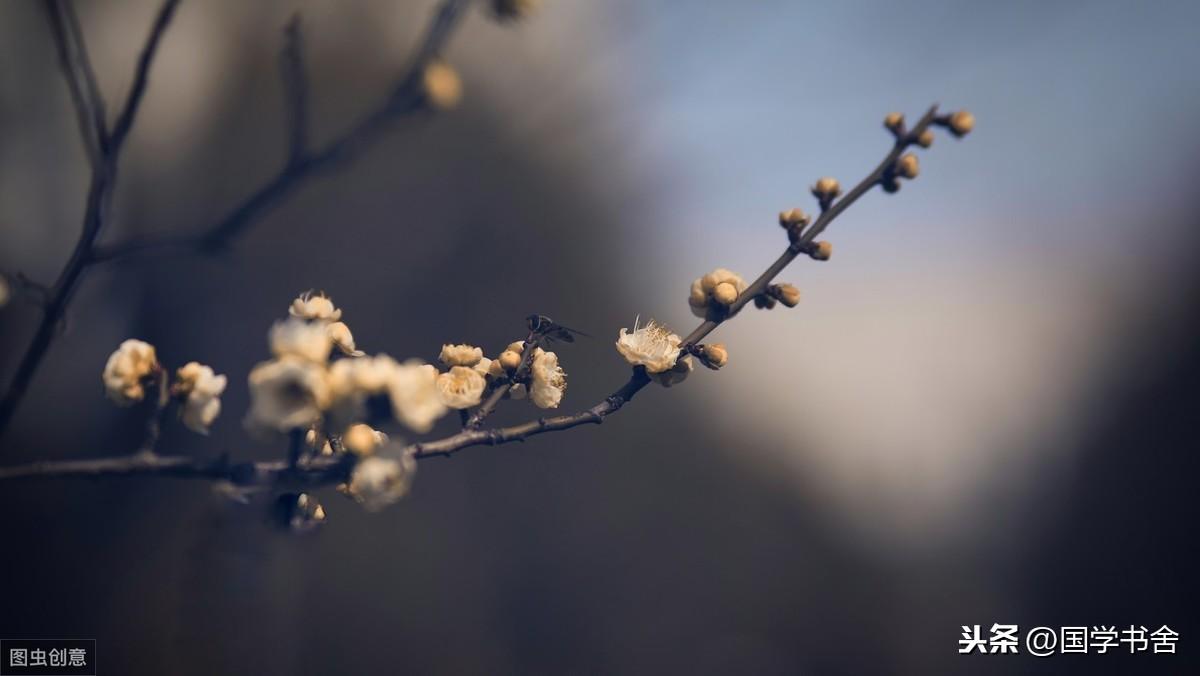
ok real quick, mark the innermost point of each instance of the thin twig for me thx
(77, 69)
(295, 89)
(142, 74)
(404, 99)
(78, 73)
(103, 149)
(324, 470)
(155, 419)
(532, 342)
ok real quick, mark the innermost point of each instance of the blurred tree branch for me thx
(103, 149)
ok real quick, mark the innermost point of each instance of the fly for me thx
(552, 330)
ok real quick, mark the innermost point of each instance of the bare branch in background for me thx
(142, 74)
(81, 80)
(295, 89)
(103, 149)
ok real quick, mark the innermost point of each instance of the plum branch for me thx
(320, 470)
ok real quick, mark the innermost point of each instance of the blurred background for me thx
(983, 411)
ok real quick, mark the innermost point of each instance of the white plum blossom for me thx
(342, 339)
(461, 387)
(652, 346)
(297, 338)
(460, 355)
(201, 390)
(362, 376)
(287, 394)
(548, 380)
(413, 389)
(377, 481)
(126, 370)
(717, 289)
(312, 305)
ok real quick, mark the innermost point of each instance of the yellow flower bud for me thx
(443, 88)
(821, 251)
(827, 188)
(961, 123)
(715, 355)
(788, 295)
(907, 166)
(893, 121)
(509, 360)
(725, 293)
(495, 370)
(925, 139)
(361, 440)
(792, 218)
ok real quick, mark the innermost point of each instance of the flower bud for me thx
(714, 356)
(826, 189)
(821, 251)
(517, 346)
(495, 370)
(925, 139)
(907, 166)
(961, 123)
(764, 302)
(792, 218)
(787, 294)
(890, 185)
(443, 88)
(894, 121)
(361, 440)
(509, 360)
(725, 293)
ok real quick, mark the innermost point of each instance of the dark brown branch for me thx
(142, 74)
(316, 471)
(295, 89)
(485, 409)
(155, 419)
(407, 97)
(322, 470)
(80, 78)
(494, 437)
(872, 179)
(77, 69)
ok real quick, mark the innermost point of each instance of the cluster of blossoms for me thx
(318, 384)
(197, 389)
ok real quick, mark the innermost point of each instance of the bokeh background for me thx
(984, 410)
